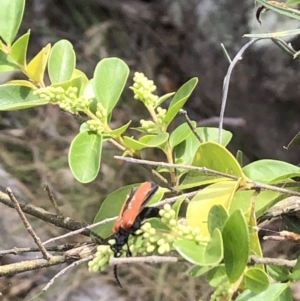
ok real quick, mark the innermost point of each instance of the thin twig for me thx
(229, 121)
(38, 212)
(28, 227)
(144, 259)
(110, 219)
(17, 251)
(252, 184)
(29, 265)
(52, 200)
(274, 238)
(79, 231)
(226, 84)
(76, 263)
(226, 53)
(182, 166)
(272, 261)
(273, 188)
(189, 122)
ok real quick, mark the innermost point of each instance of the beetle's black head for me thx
(121, 238)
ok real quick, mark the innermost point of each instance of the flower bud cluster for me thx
(149, 126)
(153, 127)
(153, 242)
(95, 126)
(221, 291)
(161, 114)
(66, 99)
(101, 259)
(101, 112)
(143, 89)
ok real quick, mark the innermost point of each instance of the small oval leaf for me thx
(16, 97)
(256, 280)
(11, 14)
(61, 62)
(236, 245)
(85, 156)
(109, 80)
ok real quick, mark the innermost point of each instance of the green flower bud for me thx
(167, 207)
(160, 241)
(150, 249)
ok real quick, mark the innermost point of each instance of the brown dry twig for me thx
(38, 212)
(144, 259)
(272, 261)
(29, 265)
(284, 236)
(189, 122)
(17, 251)
(52, 199)
(27, 225)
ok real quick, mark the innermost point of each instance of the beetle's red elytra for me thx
(131, 216)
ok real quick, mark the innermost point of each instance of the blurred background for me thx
(170, 41)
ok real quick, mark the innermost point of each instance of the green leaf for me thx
(11, 14)
(239, 157)
(85, 156)
(163, 98)
(119, 131)
(271, 35)
(16, 97)
(255, 243)
(177, 205)
(264, 201)
(256, 280)
(212, 134)
(295, 276)
(200, 205)
(109, 80)
(292, 2)
(215, 156)
(7, 63)
(74, 82)
(192, 182)
(185, 151)
(281, 8)
(270, 171)
(146, 141)
(199, 254)
(180, 99)
(217, 276)
(278, 273)
(198, 271)
(61, 64)
(36, 67)
(19, 49)
(180, 134)
(236, 245)
(217, 216)
(275, 292)
(85, 81)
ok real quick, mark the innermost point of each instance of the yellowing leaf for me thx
(21, 82)
(215, 156)
(216, 194)
(36, 67)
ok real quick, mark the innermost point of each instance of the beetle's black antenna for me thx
(116, 276)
